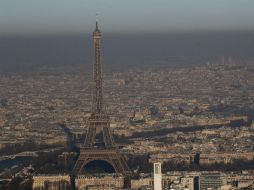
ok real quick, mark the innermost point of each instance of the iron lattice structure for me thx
(104, 149)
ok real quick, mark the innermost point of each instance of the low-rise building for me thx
(99, 181)
(52, 182)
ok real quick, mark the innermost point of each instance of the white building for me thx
(157, 176)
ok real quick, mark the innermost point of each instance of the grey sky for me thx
(124, 16)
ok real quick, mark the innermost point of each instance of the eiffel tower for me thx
(99, 144)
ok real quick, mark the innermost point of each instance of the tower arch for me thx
(99, 166)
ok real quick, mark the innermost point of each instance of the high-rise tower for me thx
(97, 73)
(99, 145)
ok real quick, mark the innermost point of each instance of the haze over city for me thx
(143, 16)
(40, 32)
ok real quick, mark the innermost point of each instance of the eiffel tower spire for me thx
(97, 24)
(97, 102)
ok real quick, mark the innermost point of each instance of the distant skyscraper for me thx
(99, 148)
(157, 176)
(222, 62)
(230, 60)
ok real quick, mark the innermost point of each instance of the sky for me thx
(124, 16)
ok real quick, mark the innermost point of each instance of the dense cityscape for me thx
(155, 114)
(169, 107)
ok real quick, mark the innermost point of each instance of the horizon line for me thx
(124, 33)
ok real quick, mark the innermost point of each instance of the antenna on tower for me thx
(97, 21)
(97, 17)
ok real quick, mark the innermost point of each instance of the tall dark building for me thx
(99, 153)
